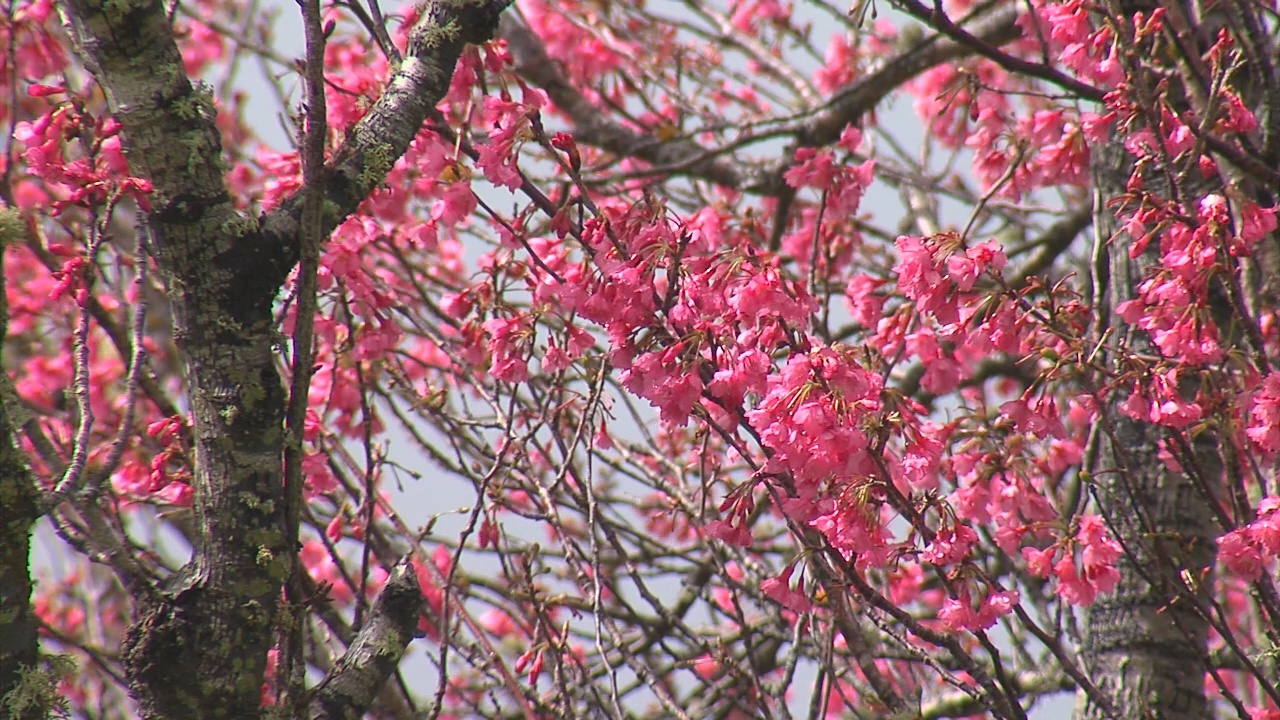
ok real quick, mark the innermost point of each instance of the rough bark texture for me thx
(379, 139)
(18, 514)
(354, 682)
(198, 645)
(1146, 643)
(19, 510)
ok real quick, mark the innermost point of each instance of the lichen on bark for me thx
(197, 647)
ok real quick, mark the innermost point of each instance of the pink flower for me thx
(1256, 222)
(749, 13)
(454, 205)
(961, 613)
(1040, 417)
(736, 535)
(509, 341)
(865, 306)
(839, 64)
(1240, 555)
(1263, 427)
(1039, 562)
(950, 545)
(780, 589)
(1071, 587)
(555, 359)
(1099, 572)
(1096, 572)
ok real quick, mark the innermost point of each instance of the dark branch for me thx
(685, 156)
(945, 25)
(197, 646)
(19, 511)
(1054, 242)
(355, 680)
(382, 136)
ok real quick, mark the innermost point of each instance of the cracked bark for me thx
(1146, 643)
(198, 643)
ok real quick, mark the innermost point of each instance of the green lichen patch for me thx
(13, 229)
(36, 695)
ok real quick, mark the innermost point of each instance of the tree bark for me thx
(19, 511)
(198, 645)
(354, 681)
(1146, 643)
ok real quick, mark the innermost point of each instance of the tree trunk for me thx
(19, 510)
(1146, 643)
(198, 645)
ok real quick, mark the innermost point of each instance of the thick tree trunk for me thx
(198, 645)
(1146, 643)
(18, 514)
(19, 510)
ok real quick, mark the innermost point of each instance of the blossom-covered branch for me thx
(724, 359)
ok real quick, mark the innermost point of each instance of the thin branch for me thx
(381, 137)
(821, 127)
